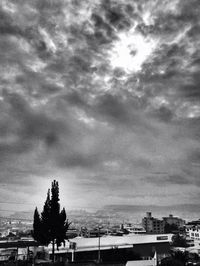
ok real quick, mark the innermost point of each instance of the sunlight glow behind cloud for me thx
(131, 51)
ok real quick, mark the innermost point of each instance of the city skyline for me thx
(102, 96)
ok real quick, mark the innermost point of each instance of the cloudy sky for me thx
(103, 96)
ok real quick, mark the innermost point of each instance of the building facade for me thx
(133, 228)
(115, 248)
(193, 232)
(153, 225)
(172, 220)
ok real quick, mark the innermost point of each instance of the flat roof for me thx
(112, 242)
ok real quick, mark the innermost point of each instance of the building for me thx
(115, 248)
(193, 223)
(153, 225)
(193, 232)
(172, 220)
(17, 249)
(133, 228)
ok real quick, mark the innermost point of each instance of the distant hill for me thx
(23, 215)
(186, 211)
(175, 207)
(119, 213)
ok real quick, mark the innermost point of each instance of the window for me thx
(162, 237)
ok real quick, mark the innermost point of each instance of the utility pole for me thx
(99, 246)
(73, 247)
(73, 255)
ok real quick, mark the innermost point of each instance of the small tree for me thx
(51, 226)
(37, 226)
(179, 241)
(170, 228)
(46, 221)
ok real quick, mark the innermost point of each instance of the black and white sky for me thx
(103, 96)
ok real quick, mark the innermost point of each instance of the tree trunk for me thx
(53, 251)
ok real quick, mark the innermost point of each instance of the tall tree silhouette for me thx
(37, 230)
(46, 221)
(51, 226)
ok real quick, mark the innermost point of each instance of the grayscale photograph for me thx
(99, 132)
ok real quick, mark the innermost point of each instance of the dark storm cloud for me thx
(194, 159)
(172, 56)
(66, 106)
(80, 160)
(163, 113)
(113, 17)
(189, 128)
(111, 107)
(192, 90)
(7, 26)
(165, 179)
(167, 22)
(29, 126)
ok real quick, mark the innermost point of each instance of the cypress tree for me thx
(55, 216)
(45, 220)
(52, 226)
(36, 233)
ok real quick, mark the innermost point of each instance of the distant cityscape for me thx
(150, 232)
(21, 224)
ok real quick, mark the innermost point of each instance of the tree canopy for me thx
(170, 228)
(179, 241)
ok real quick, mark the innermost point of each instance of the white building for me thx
(193, 232)
(133, 228)
(80, 249)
